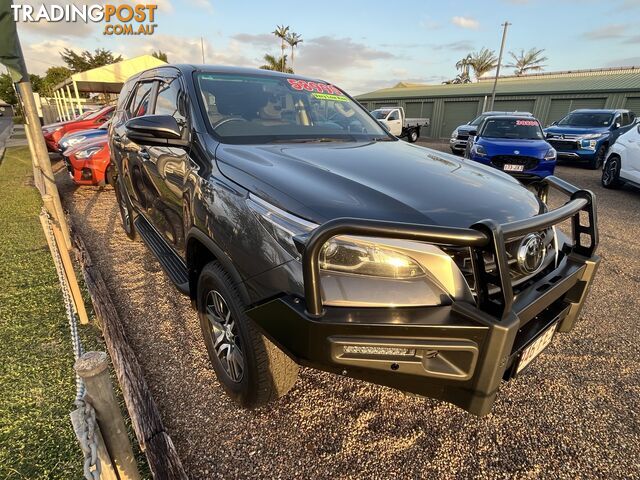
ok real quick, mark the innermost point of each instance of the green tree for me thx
(483, 61)
(7, 93)
(36, 82)
(160, 55)
(85, 60)
(276, 64)
(293, 39)
(529, 61)
(281, 32)
(53, 77)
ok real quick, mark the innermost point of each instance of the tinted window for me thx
(518, 128)
(625, 119)
(140, 104)
(168, 101)
(587, 119)
(265, 108)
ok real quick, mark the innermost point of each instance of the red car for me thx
(87, 162)
(55, 131)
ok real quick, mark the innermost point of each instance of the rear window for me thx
(516, 128)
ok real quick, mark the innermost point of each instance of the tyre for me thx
(127, 213)
(251, 369)
(611, 173)
(413, 136)
(598, 158)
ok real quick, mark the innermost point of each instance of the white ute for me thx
(394, 120)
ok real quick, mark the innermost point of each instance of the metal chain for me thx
(88, 437)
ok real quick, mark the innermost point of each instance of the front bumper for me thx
(543, 169)
(458, 144)
(459, 352)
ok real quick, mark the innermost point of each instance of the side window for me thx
(618, 119)
(625, 119)
(394, 116)
(168, 101)
(140, 103)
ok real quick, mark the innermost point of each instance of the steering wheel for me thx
(230, 119)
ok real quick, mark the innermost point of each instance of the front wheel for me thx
(413, 136)
(598, 158)
(611, 173)
(251, 369)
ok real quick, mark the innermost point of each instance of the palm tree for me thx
(276, 64)
(483, 62)
(530, 61)
(281, 33)
(293, 39)
(464, 65)
(160, 55)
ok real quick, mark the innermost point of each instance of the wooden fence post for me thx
(93, 368)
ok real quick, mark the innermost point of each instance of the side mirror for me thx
(473, 133)
(615, 126)
(158, 130)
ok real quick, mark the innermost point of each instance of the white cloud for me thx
(611, 30)
(40, 56)
(466, 22)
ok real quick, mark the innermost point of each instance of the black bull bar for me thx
(461, 351)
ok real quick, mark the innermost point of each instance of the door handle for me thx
(144, 154)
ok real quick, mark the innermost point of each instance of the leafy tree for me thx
(276, 64)
(529, 61)
(36, 82)
(160, 55)
(482, 61)
(86, 60)
(281, 32)
(293, 39)
(54, 76)
(7, 93)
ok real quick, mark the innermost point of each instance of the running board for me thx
(171, 262)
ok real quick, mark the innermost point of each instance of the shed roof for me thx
(586, 81)
(110, 78)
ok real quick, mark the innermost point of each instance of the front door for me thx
(394, 122)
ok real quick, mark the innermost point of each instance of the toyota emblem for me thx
(531, 253)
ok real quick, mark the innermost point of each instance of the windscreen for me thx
(518, 128)
(478, 120)
(259, 109)
(586, 119)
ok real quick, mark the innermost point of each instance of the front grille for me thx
(463, 136)
(529, 163)
(563, 145)
(462, 258)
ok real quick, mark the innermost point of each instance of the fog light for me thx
(87, 174)
(362, 350)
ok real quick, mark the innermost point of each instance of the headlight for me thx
(478, 150)
(367, 271)
(88, 153)
(454, 134)
(551, 154)
(591, 141)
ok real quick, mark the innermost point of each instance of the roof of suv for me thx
(190, 68)
(601, 110)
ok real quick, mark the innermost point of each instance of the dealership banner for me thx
(10, 53)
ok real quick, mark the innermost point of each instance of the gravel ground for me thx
(575, 414)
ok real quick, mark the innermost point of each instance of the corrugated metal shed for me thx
(549, 96)
(538, 84)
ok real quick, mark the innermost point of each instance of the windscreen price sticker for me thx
(323, 88)
(526, 123)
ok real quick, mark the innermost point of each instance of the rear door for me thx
(165, 167)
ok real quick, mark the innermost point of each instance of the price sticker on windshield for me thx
(324, 88)
(527, 123)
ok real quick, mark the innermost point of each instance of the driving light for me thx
(88, 153)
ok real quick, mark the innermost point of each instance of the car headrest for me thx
(242, 99)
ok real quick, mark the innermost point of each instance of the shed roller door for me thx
(587, 103)
(560, 107)
(456, 114)
(633, 104)
(420, 110)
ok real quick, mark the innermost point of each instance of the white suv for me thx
(623, 161)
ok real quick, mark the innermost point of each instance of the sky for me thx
(361, 45)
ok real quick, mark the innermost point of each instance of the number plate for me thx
(513, 168)
(533, 350)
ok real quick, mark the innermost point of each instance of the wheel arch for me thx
(201, 250)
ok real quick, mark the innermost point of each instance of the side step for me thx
(171, 263)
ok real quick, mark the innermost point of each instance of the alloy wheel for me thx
(609, 172)
(224, 332)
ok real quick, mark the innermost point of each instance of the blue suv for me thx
(585, 135)
(514, 144)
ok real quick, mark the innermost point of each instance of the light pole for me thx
(495, 80)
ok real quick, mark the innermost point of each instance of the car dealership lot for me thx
(573, 414)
